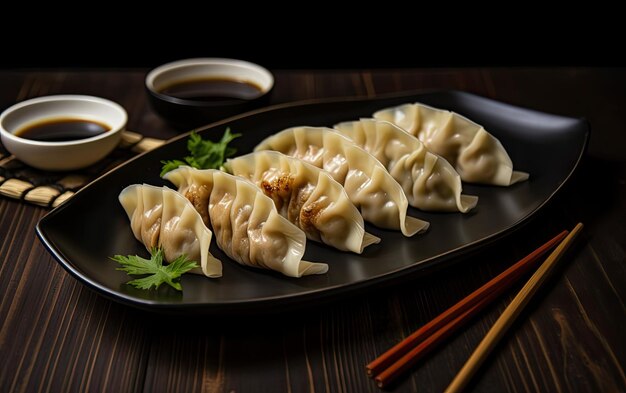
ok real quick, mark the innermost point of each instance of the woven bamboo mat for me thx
(50, 189)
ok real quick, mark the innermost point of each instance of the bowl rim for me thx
(115, 128)
(151, 76)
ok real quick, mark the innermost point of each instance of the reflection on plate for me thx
(92, 226)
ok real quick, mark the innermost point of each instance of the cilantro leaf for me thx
(157, 273)
(205, 154)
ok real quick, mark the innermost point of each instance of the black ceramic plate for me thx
(86, 230)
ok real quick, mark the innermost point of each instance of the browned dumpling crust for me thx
(370, 187)
(307, 196)
(246, 224)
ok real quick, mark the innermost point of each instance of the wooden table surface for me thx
(56, 335)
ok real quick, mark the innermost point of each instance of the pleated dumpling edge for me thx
(476, 155)
(161, 217)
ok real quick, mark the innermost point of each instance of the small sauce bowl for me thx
(185, 111)
(67, 154)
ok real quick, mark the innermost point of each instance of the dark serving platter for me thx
(89, 228)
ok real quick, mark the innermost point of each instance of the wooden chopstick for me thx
(510, 314)
(395, 361)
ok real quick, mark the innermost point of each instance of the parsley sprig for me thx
(205, 154)
(153, 267)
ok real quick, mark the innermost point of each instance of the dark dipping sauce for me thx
(213, 90)
(62, 129)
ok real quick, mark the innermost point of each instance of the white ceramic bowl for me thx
(67, 155)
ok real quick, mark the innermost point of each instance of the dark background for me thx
(312, 37)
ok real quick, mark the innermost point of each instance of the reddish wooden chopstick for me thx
(403, 355)
(511, 312)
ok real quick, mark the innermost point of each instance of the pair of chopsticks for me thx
(386, 368)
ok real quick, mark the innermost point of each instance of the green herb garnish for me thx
(157, 273)
(205, 154)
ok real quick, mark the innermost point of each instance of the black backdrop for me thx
(102, 35)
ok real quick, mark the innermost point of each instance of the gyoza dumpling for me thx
(246, 224)
(370, 187)
(307, 196)
(161, 217)
(475, 154)
(429, 181)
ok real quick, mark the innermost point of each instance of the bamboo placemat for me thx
(50, 189)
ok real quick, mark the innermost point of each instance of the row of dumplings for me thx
(320, 184)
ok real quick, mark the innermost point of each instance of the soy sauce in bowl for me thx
(191, 93)
(213, 90)
(62, 129)
(62, 132)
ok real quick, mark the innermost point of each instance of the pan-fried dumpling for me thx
(247, 226)
(429, 181)
(307, 196)
(475, 154)
(161, 217)
(370, 187)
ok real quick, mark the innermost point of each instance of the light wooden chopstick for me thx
(393, 363)
(510, 314)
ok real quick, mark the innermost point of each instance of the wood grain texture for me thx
(55, 335)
